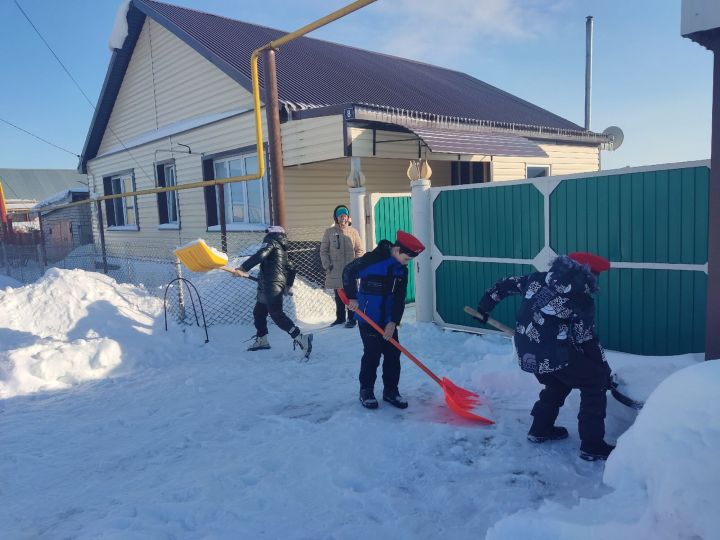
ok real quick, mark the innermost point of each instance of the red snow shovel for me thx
(459, 400)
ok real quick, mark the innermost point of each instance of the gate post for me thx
(421, 225)
(701, 23)
(356, 189)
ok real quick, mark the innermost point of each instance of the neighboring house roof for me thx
(314, 74)
(64, 197)
(38, 184)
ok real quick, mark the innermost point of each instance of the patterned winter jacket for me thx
(556, 320)
(383, 285)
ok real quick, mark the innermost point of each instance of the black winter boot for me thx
(367, 398)
(554, 433)
(393, 397)
(595, 451)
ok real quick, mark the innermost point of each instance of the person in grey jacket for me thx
(340, 246)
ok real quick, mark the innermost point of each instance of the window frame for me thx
(244, 225)
(548, 168)
(120, 204)
(463, 173)
(166, 199)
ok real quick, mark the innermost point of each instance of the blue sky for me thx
(647, 79)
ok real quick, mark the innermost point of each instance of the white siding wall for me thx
(562, 158)
(174, 83)
(312, 139)
(313, 190)
(225, 135)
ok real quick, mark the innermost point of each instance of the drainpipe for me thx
(588, 68)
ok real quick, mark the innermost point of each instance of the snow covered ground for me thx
(113, 428)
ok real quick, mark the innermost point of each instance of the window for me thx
(122, 211)
(246, 203)
(537, 171)
(464, 172)
(168, 214)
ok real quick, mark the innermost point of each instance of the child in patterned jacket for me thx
(555, 340)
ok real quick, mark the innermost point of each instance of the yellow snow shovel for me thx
(197, 256)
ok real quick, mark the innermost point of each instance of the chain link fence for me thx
(225, 299)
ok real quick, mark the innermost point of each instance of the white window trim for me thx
(528, 165)
(242, 226)
(123, 228)
(169, 227)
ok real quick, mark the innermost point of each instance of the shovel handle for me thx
(238, 274)
(492, 322)
(418, 363)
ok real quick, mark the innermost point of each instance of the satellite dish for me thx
(617, 136)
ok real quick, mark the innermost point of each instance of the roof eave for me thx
(111, 87)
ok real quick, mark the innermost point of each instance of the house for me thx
(176, 107)
(23, 188)
(64, 229)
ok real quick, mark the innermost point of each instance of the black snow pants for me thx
(592, 379)
(275, 310)
(375, 347)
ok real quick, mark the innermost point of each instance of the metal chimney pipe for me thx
(588, 68)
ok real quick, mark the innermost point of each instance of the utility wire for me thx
(40, 138)
(78, 87)
(53, 53)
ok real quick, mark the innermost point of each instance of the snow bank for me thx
(665, 473)
(67, 328)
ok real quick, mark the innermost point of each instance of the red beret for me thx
(596, 263)
(409, 243)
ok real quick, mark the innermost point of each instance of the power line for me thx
(40, 138)
(53, 53)
(78, 87)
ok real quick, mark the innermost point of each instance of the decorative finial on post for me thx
(419, 169)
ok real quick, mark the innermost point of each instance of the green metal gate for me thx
(391, 212)
(652, 224)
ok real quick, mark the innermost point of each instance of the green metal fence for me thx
(390, 213)
(651, 223)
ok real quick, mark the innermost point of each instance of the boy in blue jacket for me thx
(383, 276)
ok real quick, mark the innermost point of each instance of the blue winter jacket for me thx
(383, 285)
(556, 319)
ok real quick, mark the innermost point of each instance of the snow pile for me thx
(120, 27)
(66, 328)
(640, 375)
(665, 473)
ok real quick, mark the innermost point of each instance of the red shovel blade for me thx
(462, 401)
